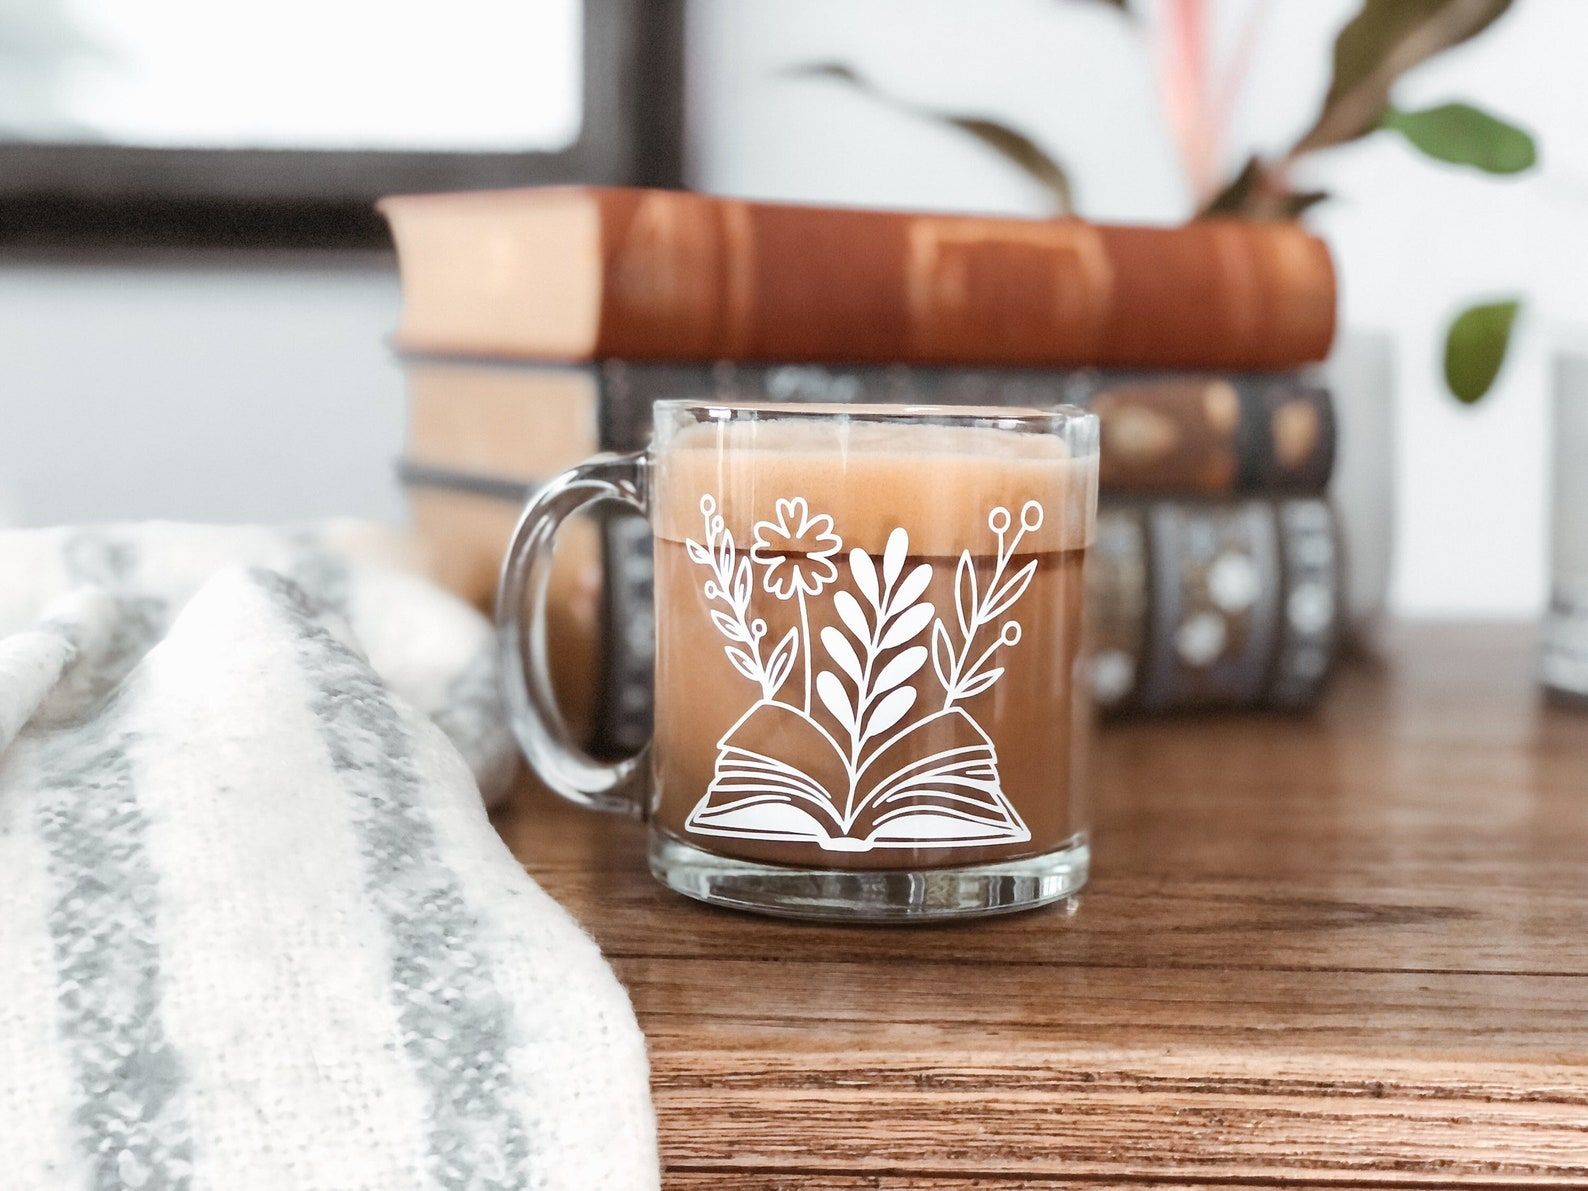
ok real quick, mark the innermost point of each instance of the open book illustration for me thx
(853, 754)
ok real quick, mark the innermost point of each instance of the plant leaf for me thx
(1475, 347)
(1384, 40)
(978, 683)
(741, 584)
(727, 625)
(890, 711)
(782, 660)
(1014, 146)
(698, 553)
(1238, 192)
(908, 626)
(1020, 151)
(743, 663)
(900, 669)
(893, 557)
(865, 573)
(965, 594)
(942, 655)
(1300, 201)
(854, 619)
(1014, 587)
(1464, 135)
(1250, 194)
(842, 652)
(835, 699)
(909, 591)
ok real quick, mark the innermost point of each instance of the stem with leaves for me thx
(893, 615)
(961, 677)
(731, 584)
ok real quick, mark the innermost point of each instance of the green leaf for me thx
(1376, 47)
(1008, 142)
(1475, 347)
(1463, 135)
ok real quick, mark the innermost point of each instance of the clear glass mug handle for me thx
(533, 714)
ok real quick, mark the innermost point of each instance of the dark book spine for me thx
(1162, 433)
(625, 699)
(1168, 433)
(1213, 603)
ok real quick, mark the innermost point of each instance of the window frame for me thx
(54, 194)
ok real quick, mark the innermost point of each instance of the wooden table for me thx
(1343, 949)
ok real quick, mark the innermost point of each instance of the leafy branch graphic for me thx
(732, 584)
(975, 610)
(894, 615)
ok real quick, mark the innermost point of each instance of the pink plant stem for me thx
(1239, 69)
(1183, 85)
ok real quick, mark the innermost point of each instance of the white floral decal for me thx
(796, 549)
(856, 762)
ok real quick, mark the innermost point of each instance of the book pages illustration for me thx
(860, 726)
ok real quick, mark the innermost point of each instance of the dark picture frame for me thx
(55, 195)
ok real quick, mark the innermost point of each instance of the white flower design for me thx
(796, 549)
(869, 763)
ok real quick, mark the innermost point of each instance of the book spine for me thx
(1213, 435)
(1213, 604)
(1162, 434)
(627, 683)
(682, 276)
(695, 277)
(1166, 433)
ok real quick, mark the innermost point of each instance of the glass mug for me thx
(869, 695)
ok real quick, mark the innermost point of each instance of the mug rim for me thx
(1058, 412)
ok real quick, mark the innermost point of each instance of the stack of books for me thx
(539, 326)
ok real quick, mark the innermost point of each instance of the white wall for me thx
(227, 387)
(1414, 239)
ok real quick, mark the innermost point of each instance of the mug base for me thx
(878, 896)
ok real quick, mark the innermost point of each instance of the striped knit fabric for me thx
(257, 933)
(434, 650)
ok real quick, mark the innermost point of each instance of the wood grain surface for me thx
(1342, 949)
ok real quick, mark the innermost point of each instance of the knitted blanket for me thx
(256, 931)
(434, 650)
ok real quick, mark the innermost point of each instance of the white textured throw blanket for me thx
(130, 581)
(256, 932)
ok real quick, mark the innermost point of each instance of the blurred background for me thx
(195, 297)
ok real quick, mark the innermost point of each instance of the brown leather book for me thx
(580, 273)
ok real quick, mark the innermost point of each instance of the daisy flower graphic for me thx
(796, 549)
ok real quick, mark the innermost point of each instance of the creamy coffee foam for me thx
(939, 483)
